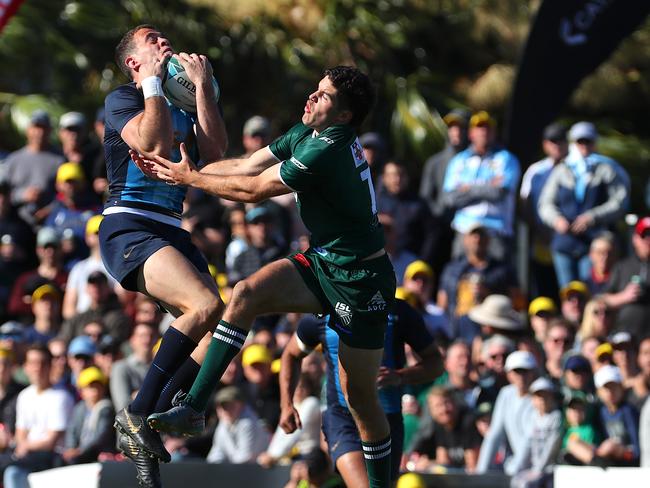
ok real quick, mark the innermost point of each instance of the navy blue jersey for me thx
(128, 186)
(405, 326)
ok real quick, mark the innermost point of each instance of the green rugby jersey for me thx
(336, 198)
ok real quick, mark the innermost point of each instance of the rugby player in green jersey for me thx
(346, 271)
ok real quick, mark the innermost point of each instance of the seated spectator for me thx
(147, 311)
(128, 374)
(624, 356)
(42, 416)
(9, 390)
(597, 320)
(602, 254)
(604, 355)
(50, 268)
(468, 279)
(75, 143)
(558, 341)
(81, 353)
(418, 281)
(103, 307)
(620, 424)
(240, 436)
(458, 364)
(540, 311)
(641, 383)
(628, 291)
(491, 367)
(480, 187)
(588, 349)
(399, 258)
(307, 437)
(59, 371)
(494, 316)
(573, 298)
(582, 197)
(90, 430)
(46, 309)
(512, 416)
(580, 431)
(545, 438)
(108, 351)
(452, 441)
(261, 389)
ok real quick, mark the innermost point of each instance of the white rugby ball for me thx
(178, 88)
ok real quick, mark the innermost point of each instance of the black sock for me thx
(182, 380)
(175, 348)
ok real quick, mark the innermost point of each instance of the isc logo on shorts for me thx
(377, 303)
(344, 311)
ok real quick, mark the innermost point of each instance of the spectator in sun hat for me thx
(573, 298)
(628, 291)
(540, 311)
(512, 416)
(496, 315)
(256, 134)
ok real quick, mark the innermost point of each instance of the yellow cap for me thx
(275, 366)
(541, 304)
(411, 480)
(45, 290)
(406, 295)
(418, 267)
(604, 349)
(6, 354)
(92, 225)
(482, 118)
(91, 375)
(70, 171)
(256, 353)
(574, 287)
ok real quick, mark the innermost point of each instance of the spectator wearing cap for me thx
(545, 438)
(540, 311)
(418, 283)
(31, 170)
(619, 421)
(624, 356)
(573, 298)
(128, 374)
(81, 353)
(578, 378)
(582, 197)
(256, 134)
(42, 416)
(240, 436)
(641, 383)
(73, 205)
(468, 279)
(491, 367)
(512, 416)
(628, 291)
(46, 308)
(556, 147)
(558, 341)
(76, 146)
(50, 269)
(495, 315)
(604, 356)
(76, 298)
(90, 430)
(104, 307)
(603, 255)
(261, 388)
(580, 431)
(413, 223)
(480, 187)
(11, 337)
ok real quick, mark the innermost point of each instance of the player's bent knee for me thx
(242, 294)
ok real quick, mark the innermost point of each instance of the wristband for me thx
(152, 87)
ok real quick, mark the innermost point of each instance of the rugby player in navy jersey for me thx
(405, 326)
(142, 243)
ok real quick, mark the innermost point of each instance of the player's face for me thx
(150, 43)
(322, 108)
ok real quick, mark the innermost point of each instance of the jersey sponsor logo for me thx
(344, 312)
(326, 139)
(297, 163)
(377, 303)
(357, 153)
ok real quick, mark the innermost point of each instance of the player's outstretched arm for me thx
(250, 166)
(289, 372)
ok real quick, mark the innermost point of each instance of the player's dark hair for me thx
(126, 46)
(355, 91)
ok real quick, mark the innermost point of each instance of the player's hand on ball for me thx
(197, 67)
(289, 419)
(154, 66)
(182, 173)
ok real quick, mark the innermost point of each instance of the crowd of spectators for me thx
(553, 370)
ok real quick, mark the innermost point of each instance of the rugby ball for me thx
(178, 88)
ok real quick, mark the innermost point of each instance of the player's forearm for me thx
(210, 129)
(288, 378)
(236, 188)
(230, 167)
(155, 134)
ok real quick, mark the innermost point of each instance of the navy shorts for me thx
(342, 436)
(126, 241)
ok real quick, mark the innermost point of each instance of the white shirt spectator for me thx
(306, 439)
(78, 280)
(40, 413)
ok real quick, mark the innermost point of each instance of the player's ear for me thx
(131, 62)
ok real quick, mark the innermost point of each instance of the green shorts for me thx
(358, 296)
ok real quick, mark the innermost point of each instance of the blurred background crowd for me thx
(543, 367)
